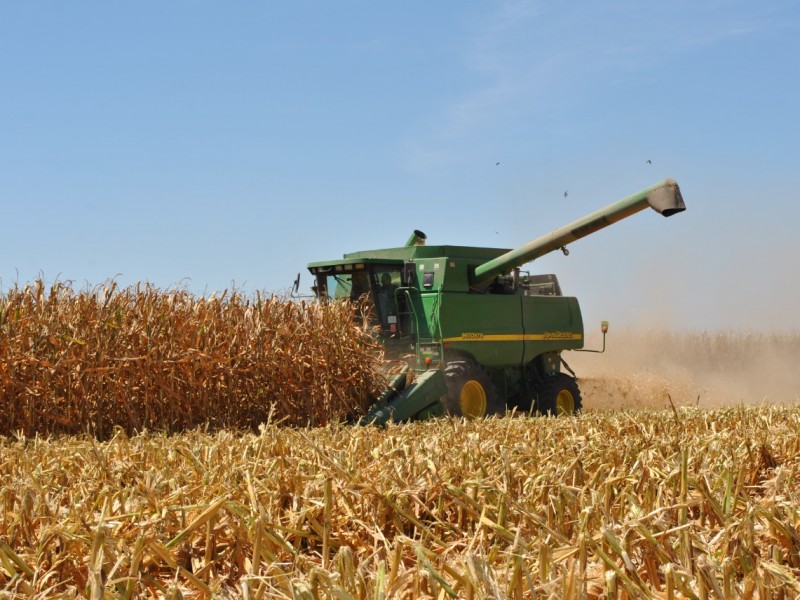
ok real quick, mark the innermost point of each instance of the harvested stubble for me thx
(141, 358)
(670, 504)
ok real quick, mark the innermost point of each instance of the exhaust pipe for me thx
(417, 238)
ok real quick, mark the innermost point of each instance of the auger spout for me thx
(664, 197)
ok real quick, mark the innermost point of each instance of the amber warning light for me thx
(604, 329)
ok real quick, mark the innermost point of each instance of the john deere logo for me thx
(557, 335)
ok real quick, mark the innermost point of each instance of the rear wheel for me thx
(558, 395)
(471, 393)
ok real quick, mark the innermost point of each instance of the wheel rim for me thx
(565, 403)
(473, 399)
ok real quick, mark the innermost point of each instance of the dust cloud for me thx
(710, 324)
(648, 369)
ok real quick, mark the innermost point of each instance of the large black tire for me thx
(471, 393)
(558, 395)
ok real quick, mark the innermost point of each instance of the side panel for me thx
(552, 323)
(487, 327)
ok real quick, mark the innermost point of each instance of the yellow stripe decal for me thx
(549, 336)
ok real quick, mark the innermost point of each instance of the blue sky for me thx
(211, 144)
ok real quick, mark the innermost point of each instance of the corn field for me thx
(99, 498)
(682, 503)
(141, 358)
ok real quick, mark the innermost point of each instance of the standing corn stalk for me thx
(141, 358)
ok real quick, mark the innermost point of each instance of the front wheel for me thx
(471, 393)
(558, 395)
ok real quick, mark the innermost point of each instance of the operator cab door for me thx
(390, 301)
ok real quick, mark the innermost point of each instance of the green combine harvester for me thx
(478, 335)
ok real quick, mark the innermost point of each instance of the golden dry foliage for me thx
(681, 503)
(141, 358)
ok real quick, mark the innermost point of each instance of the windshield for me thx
(347, 286)
(376, 287)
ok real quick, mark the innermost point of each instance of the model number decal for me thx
(471, 336)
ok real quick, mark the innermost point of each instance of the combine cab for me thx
(479, 336)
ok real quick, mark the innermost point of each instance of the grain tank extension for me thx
(478, 334)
